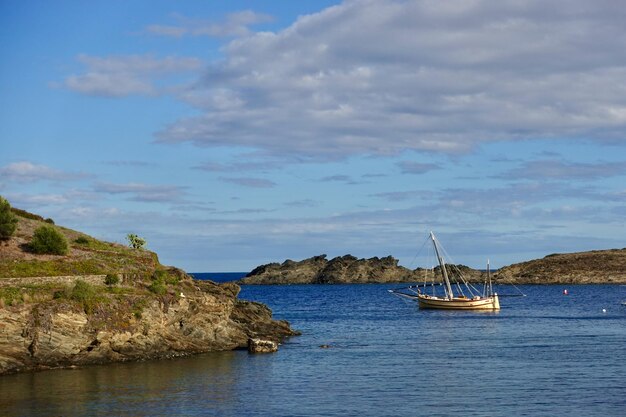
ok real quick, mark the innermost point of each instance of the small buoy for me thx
(565, 292)
(604, 310)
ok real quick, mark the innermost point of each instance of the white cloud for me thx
(380, 77)
(118, 76)
(234, 25)
(25, 171)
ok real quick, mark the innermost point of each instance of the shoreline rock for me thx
(60, 334)
(57, 312)
(262, 346)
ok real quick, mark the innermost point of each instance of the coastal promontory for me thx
(592, 267)
(99, 302)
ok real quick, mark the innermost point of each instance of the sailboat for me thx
(488, 300)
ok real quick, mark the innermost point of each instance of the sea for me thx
(365, 352)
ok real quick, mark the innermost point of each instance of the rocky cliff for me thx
(594, 267)
(201, 317)
(67, 316)
(340, 270)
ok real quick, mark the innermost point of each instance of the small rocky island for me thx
(594, 267)
(101, 302)
(345, 269)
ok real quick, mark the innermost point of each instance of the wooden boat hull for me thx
(483, 303)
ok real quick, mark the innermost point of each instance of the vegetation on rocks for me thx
(103, 302)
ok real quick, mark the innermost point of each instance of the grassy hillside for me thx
(86, 254)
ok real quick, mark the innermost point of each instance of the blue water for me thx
(219, 276)
(546, 354)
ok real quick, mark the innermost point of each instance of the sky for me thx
(231, 134)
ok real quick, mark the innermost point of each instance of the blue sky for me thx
(231, 134)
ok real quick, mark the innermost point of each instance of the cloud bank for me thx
(381, 77)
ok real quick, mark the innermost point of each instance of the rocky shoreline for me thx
(203, 317)
(101, 302)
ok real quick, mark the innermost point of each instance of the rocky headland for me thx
(593, 267)
(102, 302)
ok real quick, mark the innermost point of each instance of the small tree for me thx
(135, 241)
(8, 221)
(48, 240)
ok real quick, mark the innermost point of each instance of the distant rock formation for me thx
(345, 269)
(594, 267)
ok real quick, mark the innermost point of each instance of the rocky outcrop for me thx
(594, 267)
(341, 270)
(55, 310)
(203, 317)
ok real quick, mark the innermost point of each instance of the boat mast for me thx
(489, 279)
(442, 264)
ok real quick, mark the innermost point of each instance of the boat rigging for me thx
(487, 300)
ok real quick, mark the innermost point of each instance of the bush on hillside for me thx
(135, 241)
(86, 294)
(8, 222)
(47, 240)
(81, 240)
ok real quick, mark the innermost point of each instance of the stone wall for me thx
(68, 279)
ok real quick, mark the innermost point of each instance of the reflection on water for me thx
(141, 388)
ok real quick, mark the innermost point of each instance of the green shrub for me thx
(10, 295)
(82, 240)
(86, 294)
(47, 240)
(159, 282)
(8, 222)
(111, 279)
(49, 220)
(158, 287)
